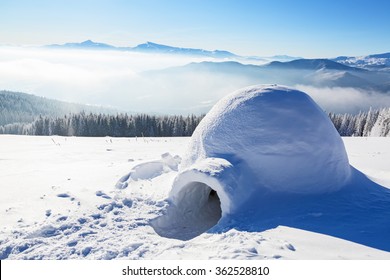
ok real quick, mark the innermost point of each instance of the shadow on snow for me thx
(360, 213)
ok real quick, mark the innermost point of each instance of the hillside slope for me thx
(23, 107)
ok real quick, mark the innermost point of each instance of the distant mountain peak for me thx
(149, 44)
(159, 48)
(370, 62)
(88, 44)
(152, 45)
(312, 64)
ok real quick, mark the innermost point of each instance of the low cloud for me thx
(346, 100)
(94, 77)
(118, 79)
(112, 78)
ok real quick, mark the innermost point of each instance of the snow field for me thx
(47, 171)
(371, 155)
(44, 215)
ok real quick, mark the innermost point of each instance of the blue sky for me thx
(248, 27)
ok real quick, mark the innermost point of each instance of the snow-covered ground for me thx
(94, 198)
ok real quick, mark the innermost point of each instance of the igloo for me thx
(261, 139)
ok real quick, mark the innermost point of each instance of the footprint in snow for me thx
(72, 243)
(127, 202)
(62, 218)
(253, 251)
(85, 252)
(110, 206)
(82, 220)
(65, 195)
(290, 247)
(102, 195)
(97, 216)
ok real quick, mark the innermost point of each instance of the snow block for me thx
(261, 139)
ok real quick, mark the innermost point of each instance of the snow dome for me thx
(258, 140)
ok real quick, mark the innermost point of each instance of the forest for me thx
(119, 125)
(27, 114)
(371, 123)
(374, 122)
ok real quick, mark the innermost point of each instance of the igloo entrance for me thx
(197, 209)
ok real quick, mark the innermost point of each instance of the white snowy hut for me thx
(259, 139)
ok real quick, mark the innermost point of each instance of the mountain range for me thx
(312, 72)
(150, 47)
(83, 45)
(377, 62)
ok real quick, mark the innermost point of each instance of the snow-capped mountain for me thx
(148, 47)
(88, 44)
(371, 62)
(151, 47)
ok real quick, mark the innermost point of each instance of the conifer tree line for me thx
(375, 122)
(371, 123)
(119, 125)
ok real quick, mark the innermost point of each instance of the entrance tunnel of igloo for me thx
(198, 210)
(261, 139)
(197, 204)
